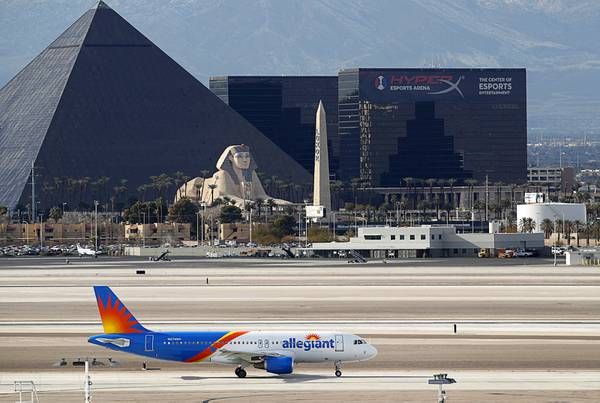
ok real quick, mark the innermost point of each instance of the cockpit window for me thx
(360, 341)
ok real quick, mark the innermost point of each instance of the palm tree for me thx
(409, 182)
(558, 229)
(499, 191)
(118, 190)
(567, 226)
(336, 187)
(527, 224)
(596, 231)
(430, 182)
(83, 184)
(258, 203)
(504, 206)
(577, 225)
(270, 205)
(212, 188)
(102, 182)
(478, 206)
(161, 183)
(199, 188)
(142, 191)
(72, 185)
(355, 185)
(204, 174)
(588, 230)
(548, 227)
(442, 183)
(510, 223)
(471, 183)
(180, 180)
(451, 182)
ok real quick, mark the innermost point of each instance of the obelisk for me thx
(321, 191)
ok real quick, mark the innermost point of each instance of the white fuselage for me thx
(322, 347)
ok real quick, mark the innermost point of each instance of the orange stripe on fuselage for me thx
(210, 350)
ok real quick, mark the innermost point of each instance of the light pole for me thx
(197, 228)
(41, 232)
(87, 386)
(203, 214)
(333, 218)
(250, 224)
(299, 226)
(212, 235)
(96, 227)
(33, 192)
(63, 206)
(143, 230)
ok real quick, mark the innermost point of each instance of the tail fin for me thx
(115, 316)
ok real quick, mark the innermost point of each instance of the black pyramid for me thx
(103, 100)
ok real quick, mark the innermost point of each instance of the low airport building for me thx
(426, 241)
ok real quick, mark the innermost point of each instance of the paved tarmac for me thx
(526, 330)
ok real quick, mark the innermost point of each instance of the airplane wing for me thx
(250, 357)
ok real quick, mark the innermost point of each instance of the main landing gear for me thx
(240, 372)
(338, 368)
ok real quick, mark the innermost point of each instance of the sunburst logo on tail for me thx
(312, 336)
(116, 318)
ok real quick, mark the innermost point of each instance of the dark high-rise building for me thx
(103, 101)
(432, 123)
(283, 108)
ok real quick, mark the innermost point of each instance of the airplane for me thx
(273, 351)
(86, 251)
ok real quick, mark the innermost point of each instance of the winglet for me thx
(116, 318)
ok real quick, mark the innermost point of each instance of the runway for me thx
(371, 385)
(524, 329)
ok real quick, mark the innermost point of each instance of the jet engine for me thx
(277, 365)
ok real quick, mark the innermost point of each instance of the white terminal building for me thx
(426, 241)
(552, 211)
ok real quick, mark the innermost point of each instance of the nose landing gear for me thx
(338, 368)
(240, 372)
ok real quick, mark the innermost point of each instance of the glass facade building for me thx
(284, 109)
(432, 123)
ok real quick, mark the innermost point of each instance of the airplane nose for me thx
(373, 352)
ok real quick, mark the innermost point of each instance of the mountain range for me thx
(556, 40)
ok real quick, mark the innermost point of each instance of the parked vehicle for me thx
(523, 253)
(506, 253)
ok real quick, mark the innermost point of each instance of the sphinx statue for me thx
(235, 179)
